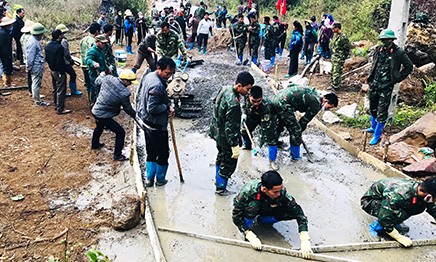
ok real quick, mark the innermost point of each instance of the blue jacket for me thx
(296, 41)
(309, 36)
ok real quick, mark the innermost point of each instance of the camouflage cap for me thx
(101, 39)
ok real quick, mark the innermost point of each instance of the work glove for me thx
(243, 119)
(254, 241)
(188, 60)
(306, 250)
(235, 152)
(403, 240)
(256, 150)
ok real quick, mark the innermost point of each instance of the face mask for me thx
(386, 43)
(8, 8)
(428, 198)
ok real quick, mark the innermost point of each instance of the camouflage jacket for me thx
(96, 55)
(226, 120)
(110, 58)
(251, 202)
(340, 46)
(240, 29)
(254, 33)
(168, 45)
(268, 119)
(399, 200)
(299, 98)
(200, 12)
(270, 35)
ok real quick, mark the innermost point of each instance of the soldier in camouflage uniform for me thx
(269, 40)
(253, 38)
(340, 46)
(259, 110)
(108, 51)
(225, 129)
(267, 201)
(393, 200)
(200, 11)
(385, 73)
(240, 37)
(302, 99)
(169, 42)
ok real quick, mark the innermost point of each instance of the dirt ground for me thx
(47, 158)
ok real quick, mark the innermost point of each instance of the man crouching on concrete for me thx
(267, 201)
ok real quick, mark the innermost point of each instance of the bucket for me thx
(119, 52)
(122, 59)
(266, 65)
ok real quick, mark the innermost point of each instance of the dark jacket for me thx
(118, 22)
(399, 57)
(113, 94)
(54, 55)
(6, 50)
(326, 35)
(149, 41)
(18, 25)
(153, 102)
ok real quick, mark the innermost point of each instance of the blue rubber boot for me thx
(199, 50)
(295, 152)
(191, 46)
(73, 88)
(161, 172)
(254, 59)
(221, 183)
(377, 134)
(248, 222)
(302, 55)
(375, 229)
(151, 172)
(268, 220)
(273, 59)
(240, 60)
(272, 153)
(277, 50)
(128, 49)
(373, 125)
(281, 52)
(204, 50)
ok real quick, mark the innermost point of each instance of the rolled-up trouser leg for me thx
(225, 162)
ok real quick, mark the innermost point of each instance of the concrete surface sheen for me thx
(328, 190)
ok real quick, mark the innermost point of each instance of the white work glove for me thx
(235, 152)
(243, 119)
(403, 240)
(306, 250)
(188, 60)
(254, 241)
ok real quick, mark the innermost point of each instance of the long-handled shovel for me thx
(176, 151)
(309, 155)
(254, 145)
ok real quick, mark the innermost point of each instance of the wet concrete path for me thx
(328, 190)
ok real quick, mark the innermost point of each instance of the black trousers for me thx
(70, 71)
(29, 81)
(19, 50)
(112, 125)
(202, 40)
(156, 144)
(293, 62)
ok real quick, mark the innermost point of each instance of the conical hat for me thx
(128, 13)
(28, 25)
(7, 21)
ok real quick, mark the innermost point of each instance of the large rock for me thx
(422, 133)
(421, 43)
(126, 211)
(424, 167)
(349, 110)
(354, 62)
(401, 152)
(427, 68)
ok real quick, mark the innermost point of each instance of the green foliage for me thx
(430, 93)
(134, 5)
(360, 121)
(50, 13)
(95, 255)
(407, 115)
(362, 52)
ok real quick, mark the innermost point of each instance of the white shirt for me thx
(204, 26)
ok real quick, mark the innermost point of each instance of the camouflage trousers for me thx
(379, 101)
(287, 119)
(337, 67)
(240, 45)
(252, 122)
(225, 162)
(254, 49)
(270, 51)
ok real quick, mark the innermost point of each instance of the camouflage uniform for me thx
(254, 40)
(385, 73)
(252, 202)
(240, 29)
(393, 200)
(340, 46)
(110, 58)
(270, 41)
(168, 45)
(200, 12)
(225, 129)
(296, 98)
(263, 116)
